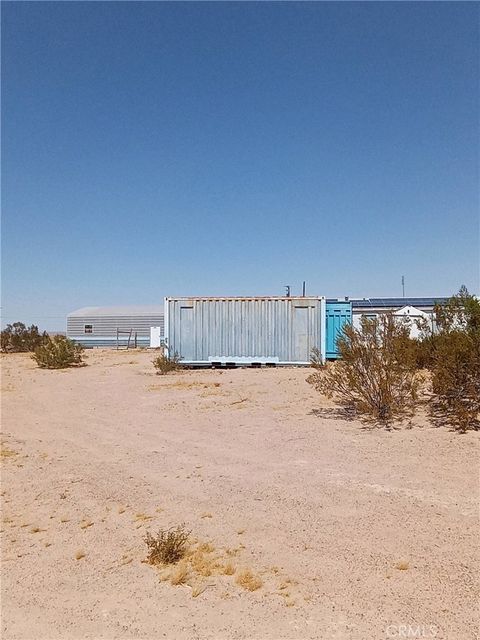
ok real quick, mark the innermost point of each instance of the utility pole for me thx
(403, 285)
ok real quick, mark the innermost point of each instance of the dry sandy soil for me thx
(355, 533)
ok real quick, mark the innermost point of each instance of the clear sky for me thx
(153, 149)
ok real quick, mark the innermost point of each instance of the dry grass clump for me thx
(180, 564)
(228, 569)
(248, 580)
(166, 363)
(180, 574)
(142, 517)
(5, 452)
(402, 565)
(203, 562)
(80, 554)
(177, 574)
(168, 546)
(183, 560)
(198, 589)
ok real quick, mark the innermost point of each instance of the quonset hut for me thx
(113, 326)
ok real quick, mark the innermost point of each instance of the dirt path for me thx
(320, 509)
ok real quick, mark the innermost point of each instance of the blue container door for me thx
(338, 314)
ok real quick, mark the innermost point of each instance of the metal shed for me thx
(236, 331)
(97, 326)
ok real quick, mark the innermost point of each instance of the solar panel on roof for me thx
(398, 302)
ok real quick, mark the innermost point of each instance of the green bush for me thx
(455, 362)
(58, 352)
(165, 363)
(425, 350)
(376, 375)
(17, 338)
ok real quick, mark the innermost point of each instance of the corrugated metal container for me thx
(97, 326)
(339, 313)
(245, 330)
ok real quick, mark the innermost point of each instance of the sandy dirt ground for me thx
(354, 533)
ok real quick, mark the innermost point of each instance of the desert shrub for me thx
(16, 338)
(462, 312)
(425, 347)
(376, 375)
(58, 352)
(316, 359)
(168, 546)
(456, 380)
(166, 363)
(455, 362)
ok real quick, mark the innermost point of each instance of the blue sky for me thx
(155, 149)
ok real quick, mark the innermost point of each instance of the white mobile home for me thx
(413, 308)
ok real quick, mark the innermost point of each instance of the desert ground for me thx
(349, 532)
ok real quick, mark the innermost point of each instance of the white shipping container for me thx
(266, 330)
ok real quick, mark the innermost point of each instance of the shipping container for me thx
(245, 331)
